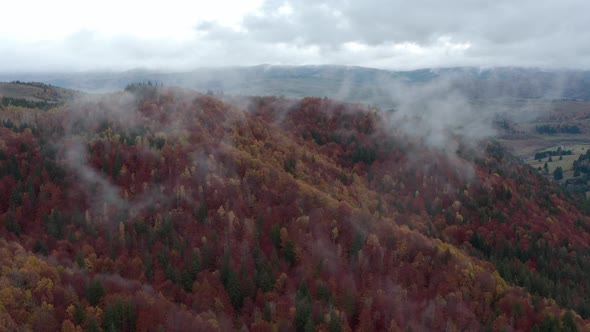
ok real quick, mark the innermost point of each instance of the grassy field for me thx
(566, 163)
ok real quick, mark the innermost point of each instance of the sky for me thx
(176, 35)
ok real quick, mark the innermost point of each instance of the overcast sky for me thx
(71, 35)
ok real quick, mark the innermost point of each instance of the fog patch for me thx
(438, 115)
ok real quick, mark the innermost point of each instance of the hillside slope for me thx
(168, 209)
(33, 95)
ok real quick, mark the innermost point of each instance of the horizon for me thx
(237, 67)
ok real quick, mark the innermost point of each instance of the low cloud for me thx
(438, 115)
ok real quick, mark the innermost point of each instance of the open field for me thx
(525, 141)
(566, 163)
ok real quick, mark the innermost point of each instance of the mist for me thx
(294, 165)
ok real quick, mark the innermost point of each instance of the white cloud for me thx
(33, 20)
(179, 34)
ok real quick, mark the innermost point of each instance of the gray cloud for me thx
(379, 33)
(381, 21)
(437, 114)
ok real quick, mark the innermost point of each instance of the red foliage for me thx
(205, 215)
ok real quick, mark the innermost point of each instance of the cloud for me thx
(106, 193)
(83, 119)
(437, 114)
(388, 34)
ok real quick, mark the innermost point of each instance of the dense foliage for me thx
(559, 129)
(21, 102)
(559, 152)
(170, 210)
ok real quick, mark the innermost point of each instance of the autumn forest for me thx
(164, 209)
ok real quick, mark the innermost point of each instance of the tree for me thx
(170, 273)
(117, 164)
(148, 268)
(335, 325)
(54, 224)
(568, 322)
(186, 280)
(92, 325)
(234, 291)
(79, 259)
(558, 174)
(79, 314)
(195, 264)
(12, 224)
(95, 292)
(303, 307)
(288, 253)
(16, 197)
(119, 316)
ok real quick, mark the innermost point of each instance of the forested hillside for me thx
(33, 95)
(161, 209)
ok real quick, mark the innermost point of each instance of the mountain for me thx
(165, 209)
(353, 84)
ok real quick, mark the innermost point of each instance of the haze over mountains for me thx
(347, 83)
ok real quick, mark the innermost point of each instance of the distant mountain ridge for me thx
(348, 83)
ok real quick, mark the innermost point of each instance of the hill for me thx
(354, 84)
(33, 95)
(169, 209)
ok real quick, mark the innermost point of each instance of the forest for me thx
(552, 130)
(163, 209)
